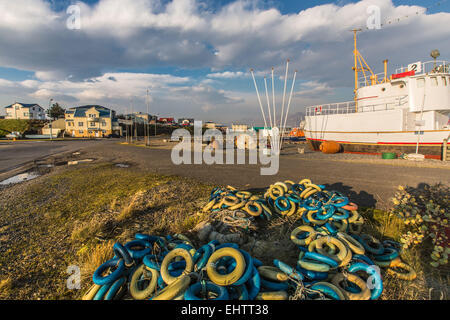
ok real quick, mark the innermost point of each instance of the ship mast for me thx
(363, 68)
(355, 67)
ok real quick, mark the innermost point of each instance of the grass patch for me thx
(10, 125)
(5, 287)
(429, 284)
(74, 215)
(93, 257)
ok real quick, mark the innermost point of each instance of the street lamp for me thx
(49, 114)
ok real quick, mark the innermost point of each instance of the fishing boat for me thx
(406, 112)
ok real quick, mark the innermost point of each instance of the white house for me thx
(25, 111)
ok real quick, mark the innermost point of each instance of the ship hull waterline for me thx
(429, 150)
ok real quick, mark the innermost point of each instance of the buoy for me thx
(330, 147)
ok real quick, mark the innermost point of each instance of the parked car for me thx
(14, 135)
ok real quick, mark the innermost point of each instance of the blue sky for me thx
(195, 55)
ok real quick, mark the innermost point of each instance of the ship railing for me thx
(428, 67)
(438, 66)
(389, 103)
(332, 108)
(365, 81)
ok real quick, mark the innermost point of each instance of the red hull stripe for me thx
(381, 143)
(367, 98)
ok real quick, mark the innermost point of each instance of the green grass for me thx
(10, 125)
(431, 283)
(73, 217)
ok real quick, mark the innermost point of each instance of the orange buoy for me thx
(330, 147)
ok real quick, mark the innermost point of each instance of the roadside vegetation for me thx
(9, 125)
(23, 126)
(73, 216)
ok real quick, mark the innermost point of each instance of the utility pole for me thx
(126, 125)
(131, 128)
(50, 124)
(134, 123)
(147, 131)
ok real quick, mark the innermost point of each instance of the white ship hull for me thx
(377, 132)
(392, 116)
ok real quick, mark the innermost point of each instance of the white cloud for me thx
(227, 75)
(314, 89)
(185, 34)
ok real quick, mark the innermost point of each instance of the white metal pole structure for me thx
(273, 100)
(268, 102)
(259, 99)
(288, 107)
(284, 96)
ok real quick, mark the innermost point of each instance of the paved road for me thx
(15, 154)
(368, 184)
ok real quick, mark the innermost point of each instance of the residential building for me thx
(140, 117)
(55, 128)
(186, 122)
(210, 125)
(91, 121)
(239, 127)
(168, 121)
(31, 111)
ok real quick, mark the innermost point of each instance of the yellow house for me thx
(91, 122)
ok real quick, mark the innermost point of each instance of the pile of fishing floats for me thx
(336, 260)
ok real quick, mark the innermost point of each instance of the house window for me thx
(26, 114)
(92, 124)
(80, 124)
(103, 124)
(92, 116)
(80, 131)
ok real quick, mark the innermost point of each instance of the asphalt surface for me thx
(368, 184)
(17, 153)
